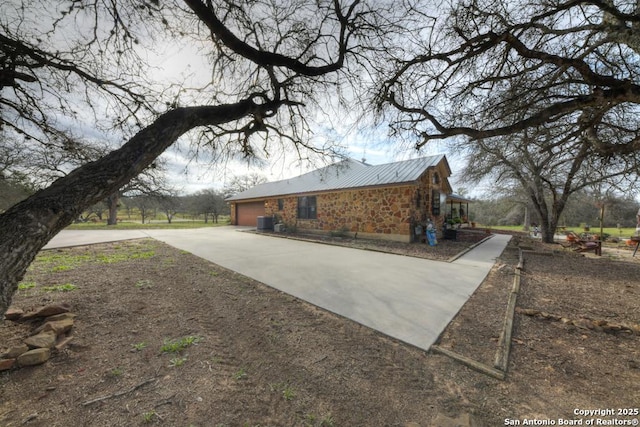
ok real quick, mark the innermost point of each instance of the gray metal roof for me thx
(346, 174)
(456, 198)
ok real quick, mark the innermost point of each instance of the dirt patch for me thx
(255, 356)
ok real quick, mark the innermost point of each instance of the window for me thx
(435, 202)
(280, 204)
(307, 207)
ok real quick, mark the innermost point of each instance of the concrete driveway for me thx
(410, 299)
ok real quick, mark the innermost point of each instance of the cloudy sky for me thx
(181, 63)
(360, 142)
(187, 175)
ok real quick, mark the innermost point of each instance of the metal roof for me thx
(456, 198)
(346, 174)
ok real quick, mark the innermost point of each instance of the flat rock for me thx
(6, 364)
(34, 357)
(48, 310)
(58, 327)
(15, 351)
(61, 316)
(62, 342)
(583, 323)
(13, 313)
(44, 339)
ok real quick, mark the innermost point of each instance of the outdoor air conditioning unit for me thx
(265, 223)
(278, 228)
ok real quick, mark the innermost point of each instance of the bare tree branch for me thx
(513, 68)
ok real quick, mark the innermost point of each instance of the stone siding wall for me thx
(424, 202)
(384, 211)
(288, 214)
(376, 210)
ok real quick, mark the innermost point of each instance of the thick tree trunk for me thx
(549, 219)
(548, 231)
(27, 226)
(527, 219)
(112, 203)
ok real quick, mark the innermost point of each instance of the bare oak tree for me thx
(495, 68)
(531, 88)
(547, 166)
(209, 203)
(88, 62)
(240, 183)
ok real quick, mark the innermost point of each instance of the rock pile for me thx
(54, 323)
(583, 322)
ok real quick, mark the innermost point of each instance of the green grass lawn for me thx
(612, 231)
(132, 225)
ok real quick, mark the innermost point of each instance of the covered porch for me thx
(457, 210)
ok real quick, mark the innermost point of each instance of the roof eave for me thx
(332, 190)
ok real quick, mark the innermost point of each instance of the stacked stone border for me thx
(52, 331)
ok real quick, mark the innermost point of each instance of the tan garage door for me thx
(248, 213)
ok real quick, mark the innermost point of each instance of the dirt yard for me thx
(162, 337)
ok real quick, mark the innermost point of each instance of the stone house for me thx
(377, 201)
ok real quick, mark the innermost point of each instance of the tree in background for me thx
(38, 165)
(209, 203)
(169, 203)
(549, 167)
(240, 183)
(270, 62)
(14, 182)
(496, 68)
(581, 209)
(146, 205)
(12, 190)
(620, 211)
(151, 181)
(542, 94)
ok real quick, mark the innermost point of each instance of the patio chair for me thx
(583, 245)
(634, 240)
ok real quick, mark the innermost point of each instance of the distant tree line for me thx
(207, 205)
(583, 208)
(148, 194)
(12, 190)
